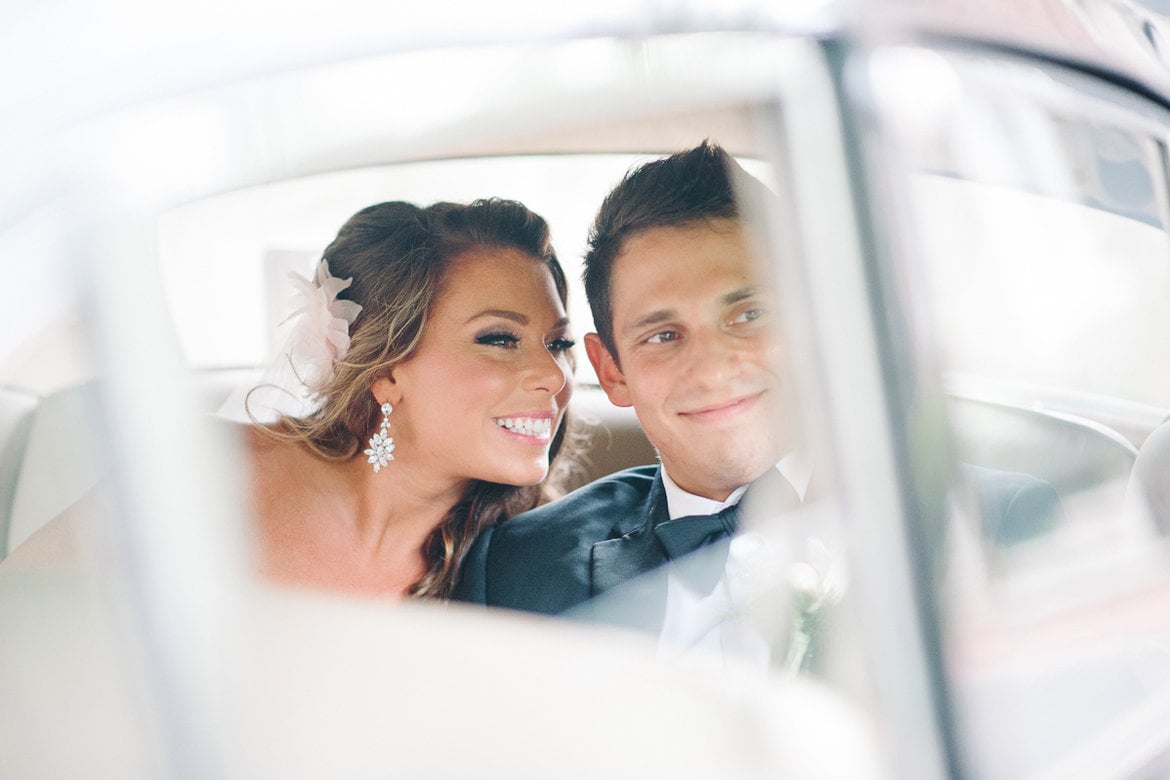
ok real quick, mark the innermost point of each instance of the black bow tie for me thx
(708, 537)
(687, 534)
(771, 493)
(684, 535)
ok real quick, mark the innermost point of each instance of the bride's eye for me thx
(501, 339)
(561, 345)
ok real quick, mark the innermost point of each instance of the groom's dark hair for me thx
(676, 190)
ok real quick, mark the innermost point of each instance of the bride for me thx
(434, 350)
(420, 400)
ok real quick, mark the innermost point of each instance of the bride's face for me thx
(486, 389)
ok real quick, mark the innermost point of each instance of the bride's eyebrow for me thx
(515, 316)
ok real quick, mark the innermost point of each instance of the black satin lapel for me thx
(628, 582)
(614, 561)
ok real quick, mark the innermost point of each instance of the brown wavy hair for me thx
(398, 254)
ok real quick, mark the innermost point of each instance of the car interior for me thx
(975, 297)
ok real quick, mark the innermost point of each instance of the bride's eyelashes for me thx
(509, 340)
(561, 345)
(502, 339)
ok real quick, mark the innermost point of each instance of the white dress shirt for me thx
(709, 628)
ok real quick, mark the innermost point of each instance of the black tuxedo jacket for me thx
(561, 554)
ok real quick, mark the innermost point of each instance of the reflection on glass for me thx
(1045, 257)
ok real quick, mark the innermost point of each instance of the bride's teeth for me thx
(528, 426)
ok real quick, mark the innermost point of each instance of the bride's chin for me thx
(533, 477)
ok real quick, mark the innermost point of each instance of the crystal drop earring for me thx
(381, 449)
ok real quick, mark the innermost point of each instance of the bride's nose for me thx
(547, 372)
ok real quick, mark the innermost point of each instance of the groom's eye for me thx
(750, 315)
(663, 337)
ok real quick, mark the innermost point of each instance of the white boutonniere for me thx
(817, 582)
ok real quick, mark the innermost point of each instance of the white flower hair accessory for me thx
(321, 335)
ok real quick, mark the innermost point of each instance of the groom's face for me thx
(698, 354)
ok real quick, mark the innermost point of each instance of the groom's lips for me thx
(723, 410)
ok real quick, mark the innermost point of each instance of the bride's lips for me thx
(529, 426)
(723, 410)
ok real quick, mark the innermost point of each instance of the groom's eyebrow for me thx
(660, 316)
(656, 317)
(743, 293)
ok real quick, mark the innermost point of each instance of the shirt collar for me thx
(679, 503)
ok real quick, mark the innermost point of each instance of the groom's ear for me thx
(613, 382)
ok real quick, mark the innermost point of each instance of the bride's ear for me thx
(385, 390)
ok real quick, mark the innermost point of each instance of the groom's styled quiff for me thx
(683, 188)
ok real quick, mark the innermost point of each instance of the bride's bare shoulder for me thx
(266, 446)
(275, 464)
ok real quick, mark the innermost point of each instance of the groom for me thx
(687, 336)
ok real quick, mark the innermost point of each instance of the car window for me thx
(792, 602)
(793, 610)
(1042, 264)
